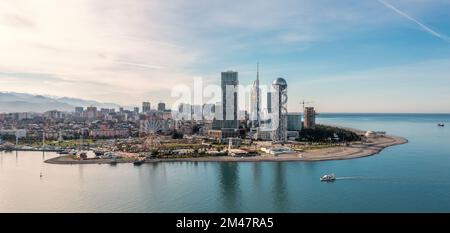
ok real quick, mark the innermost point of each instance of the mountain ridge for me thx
(24, 102)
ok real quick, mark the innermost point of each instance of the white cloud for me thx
(113, 43)
(127, 51)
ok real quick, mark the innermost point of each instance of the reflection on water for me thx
(80, 172)
(256, 172)
(153, 169)
(229, 183)
(279, 191)
(413, 177)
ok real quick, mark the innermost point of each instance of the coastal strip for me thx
(354, 150)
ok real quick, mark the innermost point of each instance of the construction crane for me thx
(303, 104)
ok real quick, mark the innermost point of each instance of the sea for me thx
(413, 177)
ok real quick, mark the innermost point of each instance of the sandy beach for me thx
(355, 150)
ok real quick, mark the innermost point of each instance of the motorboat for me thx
(441, 125)
(328, 177)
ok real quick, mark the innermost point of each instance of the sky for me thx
(344, 56)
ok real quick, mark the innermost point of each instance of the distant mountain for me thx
(22, 102)
(86, 103)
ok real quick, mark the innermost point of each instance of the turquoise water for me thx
(414, 177)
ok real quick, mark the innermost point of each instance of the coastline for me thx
(355, 150)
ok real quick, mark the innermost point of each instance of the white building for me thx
(279, 110)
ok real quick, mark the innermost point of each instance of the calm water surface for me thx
(413, 177)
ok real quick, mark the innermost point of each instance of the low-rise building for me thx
(293, 135)
(19, 133)
(108, 133)
(264, 135)
(294, 121)
(224, 133)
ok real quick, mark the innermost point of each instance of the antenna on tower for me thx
(258, 97)
(257, 71)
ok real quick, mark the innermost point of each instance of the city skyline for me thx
(371, 56)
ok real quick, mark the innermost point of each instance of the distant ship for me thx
(328, 177)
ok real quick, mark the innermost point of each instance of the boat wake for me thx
(357, 178)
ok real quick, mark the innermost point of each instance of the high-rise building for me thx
(91, 112)
(255, 101)
(106, 111)
(229, 84)
(161, 107)
(209, 111)
(309, 117)
(218, 114)
(146, 107)
(185, 111)
(184, 108)
(136, 110)
(294, 121)
(79, 110)
(269, 102)
(55, 114)
(279, 110)
(197, 112)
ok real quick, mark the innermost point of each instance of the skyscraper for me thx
(279, 111)
(255, 103)
(269, 102)
(229, 84)
(145, 107)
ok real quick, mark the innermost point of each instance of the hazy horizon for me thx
(390, 56)
(154, 105)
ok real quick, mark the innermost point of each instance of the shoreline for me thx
(354, 150)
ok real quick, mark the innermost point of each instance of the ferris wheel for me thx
(151, 126)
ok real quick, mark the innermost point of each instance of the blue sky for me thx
(346, 56)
